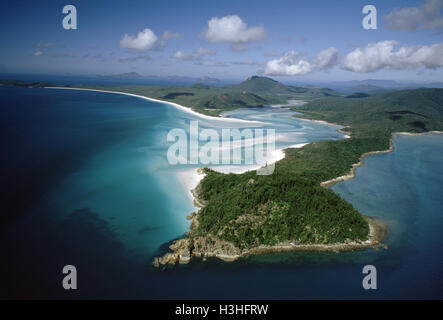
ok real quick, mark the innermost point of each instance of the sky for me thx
(291, 40)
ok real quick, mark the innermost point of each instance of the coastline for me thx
(173, 104)
(351, 174)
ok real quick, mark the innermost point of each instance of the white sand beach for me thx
(176, 105)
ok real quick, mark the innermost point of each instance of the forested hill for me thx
(417, 110)
(268, 86)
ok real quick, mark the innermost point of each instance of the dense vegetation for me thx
(250, 210)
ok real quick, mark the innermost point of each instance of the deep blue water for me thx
(84, 181)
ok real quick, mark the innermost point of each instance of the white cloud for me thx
(170, 35)
(293, 63)
(381, 55)
(37, 53)
(145, 40)
(326, 59)
(183, 56)
(411, 19)
(232, 29)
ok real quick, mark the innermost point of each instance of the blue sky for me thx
(288, 40)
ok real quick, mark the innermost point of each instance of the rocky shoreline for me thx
(183, 250)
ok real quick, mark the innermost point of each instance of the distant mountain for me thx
(261, 85)
(380, 83)
(365, 88)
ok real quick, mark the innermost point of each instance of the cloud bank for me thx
(411, 19)
(386, 55)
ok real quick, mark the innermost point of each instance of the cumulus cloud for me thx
(170, 35)
(232, 29)
(37, 53)
(326, 59)
(387, 54)
(183, 56)
(144, 41)
(413, 18)
(294, 64)
(291, 64)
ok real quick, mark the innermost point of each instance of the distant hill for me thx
(413, 110)
(262, 85)
(365, 88)
(268, 86)
(231, 100)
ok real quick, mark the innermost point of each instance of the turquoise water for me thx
(86, 182)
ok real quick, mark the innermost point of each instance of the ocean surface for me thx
(85, 181)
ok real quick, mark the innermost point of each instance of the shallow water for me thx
(86, 182)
